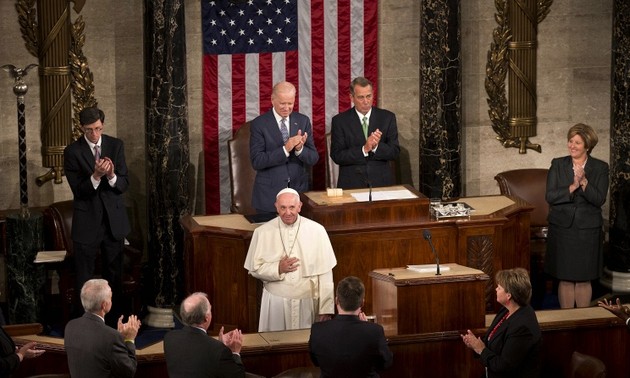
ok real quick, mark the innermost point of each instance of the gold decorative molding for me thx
(64, 73)
(513, 119)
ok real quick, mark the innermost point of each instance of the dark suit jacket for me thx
(9, 360)
(584, 207)
(346, 140)
(90, 204)
(96, 350)
(514, 350)
(348, 347)
(191, 353)
(273, 169)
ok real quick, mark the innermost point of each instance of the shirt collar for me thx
(278, 117)
(368, 114)
(98, 143)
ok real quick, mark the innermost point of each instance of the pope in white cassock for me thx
(293, 257)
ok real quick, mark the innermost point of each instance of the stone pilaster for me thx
(440, 99)
(167, 146)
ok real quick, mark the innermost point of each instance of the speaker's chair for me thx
(242, 174)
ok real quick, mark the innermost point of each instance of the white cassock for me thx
(292, 300)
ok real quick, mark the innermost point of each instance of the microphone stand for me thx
(427, 236)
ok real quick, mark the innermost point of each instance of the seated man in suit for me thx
(191, 353)
(281, 149)
(348, 345)
(363, 140)
(94, 349)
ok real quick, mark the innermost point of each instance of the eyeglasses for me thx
(96, 130)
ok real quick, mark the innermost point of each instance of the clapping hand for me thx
(618, 309)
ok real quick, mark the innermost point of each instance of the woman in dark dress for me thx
(577, 185)
(512, 344)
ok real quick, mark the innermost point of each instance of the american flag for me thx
(318, 45)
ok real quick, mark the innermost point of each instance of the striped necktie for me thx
(97, 152)
(284, 130)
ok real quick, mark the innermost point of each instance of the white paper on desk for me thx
(50, 256)
(384, 195)
(427, 268)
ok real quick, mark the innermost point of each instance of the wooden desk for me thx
(494, 238)
(405, 301)
(591, 331)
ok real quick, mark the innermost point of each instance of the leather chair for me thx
(585, 366)
(58, 236)
(242, 174)
(530, 185)
(332, 169)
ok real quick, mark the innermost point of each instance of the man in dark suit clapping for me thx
(94, 349)
(281, 149)
(191, 353)
(363, 140)
(97, 174)
(348, 345)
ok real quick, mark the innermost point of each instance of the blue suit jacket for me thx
(274, 170)
(90, 204)
(346, 140)
(349, 347)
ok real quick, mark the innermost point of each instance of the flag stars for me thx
(250, 22)
(222, 13)
(269, 41)
(278, 11)
(223, 32)
(259, 12)
(232, 42)
(278, 31)
(214, 42)
(232, 23)
(287, 40)
(213, 22)
(250, 41)
(269, 21)
(241, 32)
(241, 12)
(287, 20)
(269, 2)
(259, 31)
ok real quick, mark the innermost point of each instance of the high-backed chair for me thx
(585, 366)
(530, 184)
(58, 236)
(242, 174)
(332, 169)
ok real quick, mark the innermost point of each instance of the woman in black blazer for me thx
(512, 344)
(577, 185)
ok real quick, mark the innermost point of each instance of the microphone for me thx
(427, 237)
(366, 180)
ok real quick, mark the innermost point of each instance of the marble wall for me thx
(573, 86)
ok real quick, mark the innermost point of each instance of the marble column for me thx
(26, 279)
(168, 155)
(617, 271)
(440, 99)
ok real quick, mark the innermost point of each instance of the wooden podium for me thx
(365, 236)
(408, 302)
